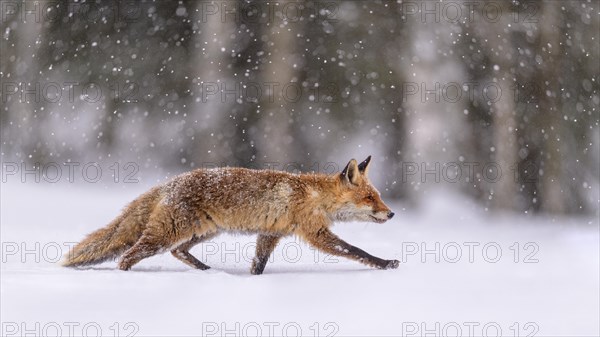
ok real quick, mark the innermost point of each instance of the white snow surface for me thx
(301, 291)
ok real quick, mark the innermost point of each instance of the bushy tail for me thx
(113, 240)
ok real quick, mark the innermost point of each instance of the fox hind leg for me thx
(159, 235)
(182, 252)
(146, 246)
(264, 247)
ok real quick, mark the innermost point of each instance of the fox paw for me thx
(392, 264)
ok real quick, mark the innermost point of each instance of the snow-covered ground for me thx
(464, 272)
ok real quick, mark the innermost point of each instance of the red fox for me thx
(200, 204)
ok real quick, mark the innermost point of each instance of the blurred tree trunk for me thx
(549, 50)
(490, 63)
(279, 77)
(246, 65)
(169, 32)
(555, 194)
(12, 71)
(504, 152)
(213, 143)
(395, 109)
(477, 62)
(580, 101)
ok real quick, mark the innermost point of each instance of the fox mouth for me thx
(377, 220)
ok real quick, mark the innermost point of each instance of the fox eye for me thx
(370, 198)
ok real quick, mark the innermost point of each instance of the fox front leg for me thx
(326, 241)
(264, 247)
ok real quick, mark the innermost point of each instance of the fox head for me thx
(358, 200)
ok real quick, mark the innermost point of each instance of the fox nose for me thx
(390, 215)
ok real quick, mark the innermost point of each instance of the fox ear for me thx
(350, 173)
(364, 166)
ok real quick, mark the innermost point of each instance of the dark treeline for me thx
(467, 86)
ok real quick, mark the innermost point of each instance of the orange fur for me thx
(200, 204)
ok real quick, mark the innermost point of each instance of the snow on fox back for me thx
(234, 197)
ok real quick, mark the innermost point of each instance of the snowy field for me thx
(463, 272)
